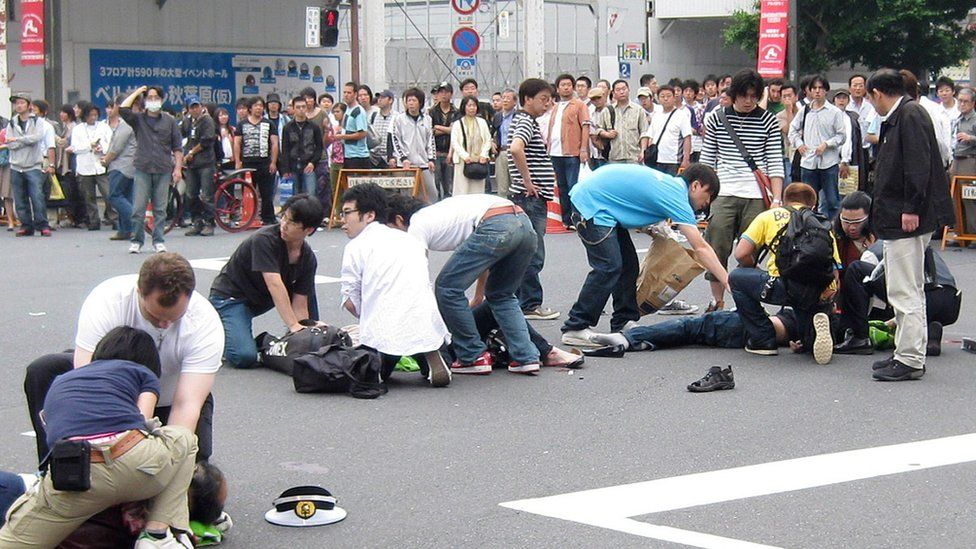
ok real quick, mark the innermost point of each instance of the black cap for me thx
(273, 98)
(443, 86)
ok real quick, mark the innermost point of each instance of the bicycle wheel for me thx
(174, 211)
(235, 205)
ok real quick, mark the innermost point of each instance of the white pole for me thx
(373, 35)
(534, 49)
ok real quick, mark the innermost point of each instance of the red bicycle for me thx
(236, 203)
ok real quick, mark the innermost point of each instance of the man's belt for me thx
(500, 210)
(118, 449)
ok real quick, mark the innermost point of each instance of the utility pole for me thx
(354, 38)
(792, 45)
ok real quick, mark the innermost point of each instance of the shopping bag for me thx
(667, 268)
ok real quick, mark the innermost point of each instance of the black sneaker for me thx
(883, 363)
(854, 346)
(934, 346)
(716, 379)
(896, 371)
(761, 349)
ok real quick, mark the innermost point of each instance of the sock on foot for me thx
(612, 339)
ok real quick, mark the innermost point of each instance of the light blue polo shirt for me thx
(352, 124)
(633, 196)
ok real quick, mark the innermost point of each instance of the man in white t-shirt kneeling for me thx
(189, 336)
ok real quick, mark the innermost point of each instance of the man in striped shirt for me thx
(532, 181)
(740, 199)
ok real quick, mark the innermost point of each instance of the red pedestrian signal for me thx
(330, 28)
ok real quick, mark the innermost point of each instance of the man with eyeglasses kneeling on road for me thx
(273, 269)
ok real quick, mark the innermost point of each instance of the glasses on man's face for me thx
(344, 213)
(964, 100)
(857, 221)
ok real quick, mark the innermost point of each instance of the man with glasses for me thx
(964, 135)
(273, 269)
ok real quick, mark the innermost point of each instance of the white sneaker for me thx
(134, 248)
(823, 344)
(580, 338)
(181, 541)
(159, 247)
(678, 307)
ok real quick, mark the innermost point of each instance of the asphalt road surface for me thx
(424, 467)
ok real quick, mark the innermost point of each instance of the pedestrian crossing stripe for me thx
(217, 263)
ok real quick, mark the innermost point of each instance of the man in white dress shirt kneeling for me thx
(386, 284)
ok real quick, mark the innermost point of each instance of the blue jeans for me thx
(11, 488)
(503, 246)
(200, 191)
(537, 208)
(120, 196)
(29, 199)
(567, 174)
(718, 329)
(787, 171)
(306, 183)
(825, 183)
(240, 349)
(154, 187)
(613, 271)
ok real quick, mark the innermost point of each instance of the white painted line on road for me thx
(642, 250)
(612, 507)
(217, 263)
(29, 434)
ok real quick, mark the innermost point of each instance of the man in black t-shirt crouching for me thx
(274, 268)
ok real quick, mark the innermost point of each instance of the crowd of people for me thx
(826, 203)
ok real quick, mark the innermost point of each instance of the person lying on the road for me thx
(386, 285)
(106, 450)
(273, 269)
(865, 279)
(401, 209)
(493, 241)
(723, 329)
(613, 200)
(161, 301)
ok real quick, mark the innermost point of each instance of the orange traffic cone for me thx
(554, 217)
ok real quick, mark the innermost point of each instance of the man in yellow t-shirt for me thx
(751, 286)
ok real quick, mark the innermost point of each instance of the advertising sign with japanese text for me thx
(32, 32)
(773, 26)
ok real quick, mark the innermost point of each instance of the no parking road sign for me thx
(465, 7)
(465, 42)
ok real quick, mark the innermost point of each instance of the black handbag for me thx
(473, 170)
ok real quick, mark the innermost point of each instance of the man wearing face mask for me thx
(158, 162)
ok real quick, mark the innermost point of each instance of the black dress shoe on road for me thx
(896, 371)
(609, 351)
(854, 346)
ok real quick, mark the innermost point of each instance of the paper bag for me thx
(847, 185)
(667, 268)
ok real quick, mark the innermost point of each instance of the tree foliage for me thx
(920, 35)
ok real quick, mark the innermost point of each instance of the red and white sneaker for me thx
(481, 366)
(532, 368)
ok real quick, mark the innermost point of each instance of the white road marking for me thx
(29, 434)
(612, 507)
(642, 250)
(217, 263)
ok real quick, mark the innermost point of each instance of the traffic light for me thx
(330, 28)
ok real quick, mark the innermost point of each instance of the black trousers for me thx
(265, 182)
(40, 375)
(942, 303)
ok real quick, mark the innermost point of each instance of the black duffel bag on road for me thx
(279, 353)
(339, 369)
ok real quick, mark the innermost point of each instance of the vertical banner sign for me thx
(773, 23)
(32, 32)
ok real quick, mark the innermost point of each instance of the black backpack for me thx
(279, 353)
(339, 369)
(805, 255)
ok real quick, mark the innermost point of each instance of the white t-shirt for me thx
(444, 226)
(556, 133)
(669, 150)
(194, 344)
(385, 275)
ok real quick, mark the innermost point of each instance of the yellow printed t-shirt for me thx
(764, 228)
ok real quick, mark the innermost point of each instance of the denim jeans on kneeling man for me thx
(502, 245)
(240, 349)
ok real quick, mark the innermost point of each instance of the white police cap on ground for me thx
(305, 506)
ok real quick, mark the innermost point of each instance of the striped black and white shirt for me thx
(525, 129)
(760, 133)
